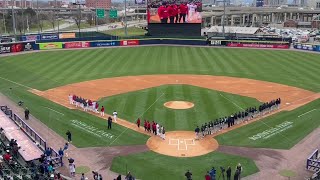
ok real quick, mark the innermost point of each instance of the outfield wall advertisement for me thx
(53, 45)
(253, 45)
(129, 43)
(104, 43)
(16, 47)
(68, 45)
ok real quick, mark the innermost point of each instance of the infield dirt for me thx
(263, 91)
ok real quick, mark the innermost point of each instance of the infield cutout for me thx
(182, 144)
(178, 105)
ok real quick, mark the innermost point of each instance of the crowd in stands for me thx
(236, 118)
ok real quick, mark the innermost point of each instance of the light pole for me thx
(13, 21)
(38, 16)
(125, 18)
(223, 19)
(96, 17)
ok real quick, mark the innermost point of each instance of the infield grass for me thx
(149, 104)
(150, 165)
(304, 120)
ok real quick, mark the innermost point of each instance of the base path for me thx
(181, 144)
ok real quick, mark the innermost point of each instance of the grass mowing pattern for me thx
(61, 123)
(154, 166)
(209, 105)
(56, 68)
(302, 126)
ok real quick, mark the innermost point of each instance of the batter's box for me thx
(174, 142)
(189, 142)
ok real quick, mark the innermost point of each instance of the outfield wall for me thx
(35, 45)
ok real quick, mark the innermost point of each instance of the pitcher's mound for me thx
(178, 105)
(182, 144)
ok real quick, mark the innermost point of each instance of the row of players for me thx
(237, 118)
(89, 105)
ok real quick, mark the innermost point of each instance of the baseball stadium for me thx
(158, 108)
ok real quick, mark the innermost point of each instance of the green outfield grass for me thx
(155, 166)
(51, 69)
(304, 120)
(148, 104)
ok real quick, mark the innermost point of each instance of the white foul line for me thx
(15, 83)
(139, 116)
(54, 110)
(307, 112)
(231, 101)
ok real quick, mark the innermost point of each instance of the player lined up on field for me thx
(236, 118)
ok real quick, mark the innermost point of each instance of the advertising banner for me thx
(30, 38)
(76, 45)
(49, 36)
(53, 45)
(129, 43)
(67, 35)
(15, 47)
(276, 46)
(104, 43)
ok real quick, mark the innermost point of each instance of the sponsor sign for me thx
(215, 43)
(15, 47)
(76, 45)
(67, 35)
(129, 43)
(28, 47)
(53, 45)
(104, 44)
(277, 46)
(272, 131)
(49, 36)
(30, 38)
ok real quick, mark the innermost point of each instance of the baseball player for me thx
(102, 111)
(97, 107)
(70, 99)
(158, 129)
(163, 133)
(115, 114)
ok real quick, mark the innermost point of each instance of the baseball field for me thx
(138, 81)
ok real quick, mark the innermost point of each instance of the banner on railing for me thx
(253, 45)
(129, 43)
(16, 47)
(67, 35)
(30, 38)
(104, 43)
(68, 45)
(49, 36)
(53, 45)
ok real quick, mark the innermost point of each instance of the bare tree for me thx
(76, 16)
(42, 17)
(51, 18)
(90, 19)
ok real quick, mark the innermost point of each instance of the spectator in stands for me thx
(1, 166)
(95, 175)
(60, 152)
(58, 177)
(82, 177)
(239, 168)
(72, 168)
(50, 168)
(7, 156)
(129, 176)
(207, 176)
(65, 149)
(68, 133)
(15, 150)
(2, 133)
(48, 152)
(119, 177)
(228, 173)
(26, 113)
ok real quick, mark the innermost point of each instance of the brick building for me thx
(102, 4)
